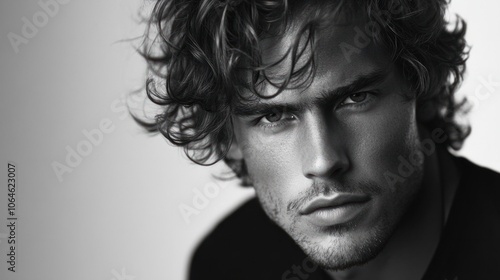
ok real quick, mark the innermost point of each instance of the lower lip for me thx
(336, 215)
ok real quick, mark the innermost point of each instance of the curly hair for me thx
(200, 49)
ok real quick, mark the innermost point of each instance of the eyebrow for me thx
(326, 97)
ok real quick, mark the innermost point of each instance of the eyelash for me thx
(281, 122)
(284, 121)
(369, 98)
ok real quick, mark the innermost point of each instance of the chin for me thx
(344, 246)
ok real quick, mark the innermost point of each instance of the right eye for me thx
(273, 117)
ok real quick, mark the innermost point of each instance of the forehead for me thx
(342, 51)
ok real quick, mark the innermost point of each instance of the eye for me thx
(276, 118)
(273, 117)
(355, 98)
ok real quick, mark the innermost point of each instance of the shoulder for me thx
(477, 198)
(471, 237)
(478, 179)
(245, 245)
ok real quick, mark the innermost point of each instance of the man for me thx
(340, 115)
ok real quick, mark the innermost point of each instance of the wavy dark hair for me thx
(197, 51)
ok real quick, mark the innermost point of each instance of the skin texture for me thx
(334, 145)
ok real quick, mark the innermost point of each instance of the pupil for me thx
(358, 97)
(273, 117)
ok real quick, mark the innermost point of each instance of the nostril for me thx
(326, 166)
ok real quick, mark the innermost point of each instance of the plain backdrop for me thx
(116, 214)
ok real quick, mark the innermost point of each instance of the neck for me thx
(411, 248)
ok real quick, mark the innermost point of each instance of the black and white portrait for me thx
(238, 139)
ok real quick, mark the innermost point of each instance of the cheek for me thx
(270, 164)
(382, 137)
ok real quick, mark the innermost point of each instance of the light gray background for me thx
(117, 213)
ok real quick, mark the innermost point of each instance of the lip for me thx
(337, 209)
(333, 201)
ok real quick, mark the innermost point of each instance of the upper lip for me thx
(333, 201)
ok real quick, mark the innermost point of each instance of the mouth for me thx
(333, 210)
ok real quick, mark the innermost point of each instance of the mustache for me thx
(325, 189)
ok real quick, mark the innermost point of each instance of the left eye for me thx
(355, 98)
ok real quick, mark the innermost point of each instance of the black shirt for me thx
(248, 245)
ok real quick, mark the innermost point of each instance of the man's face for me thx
(317, 155)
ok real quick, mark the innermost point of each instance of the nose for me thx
(323, 152)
